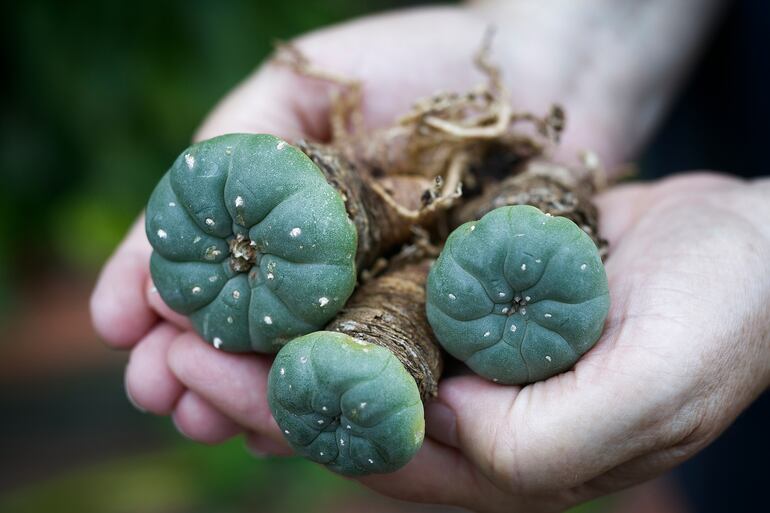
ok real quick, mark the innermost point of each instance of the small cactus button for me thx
(519, 295)
(250, 242)
(346, 403)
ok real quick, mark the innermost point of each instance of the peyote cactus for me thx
(251, 242)
(519, 295)
(351, 397)
(346, 403)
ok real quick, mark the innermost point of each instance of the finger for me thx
(553, 434)
(693, 182)
(276, 99)
(235, 384)
(149, 382)
(119, 310)
(620, 207)
(262, 446)
(159, 306)
(441, 423)
(441, 474)
(196, 419)
(263, 103)
(422, 481)
(623, 205)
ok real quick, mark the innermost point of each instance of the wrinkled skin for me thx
(686, 347)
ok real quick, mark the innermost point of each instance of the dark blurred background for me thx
(98, 98)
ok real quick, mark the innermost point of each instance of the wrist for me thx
(614, 65)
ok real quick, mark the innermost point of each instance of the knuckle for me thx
(692, 428)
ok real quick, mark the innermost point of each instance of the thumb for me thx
(277, 100)
(551, 435)
(274, 100)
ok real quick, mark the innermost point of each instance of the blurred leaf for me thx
(86, 229)
(101, 96)
(187, 478)
(595, 506)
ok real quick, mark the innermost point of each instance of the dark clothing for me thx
(721, 123)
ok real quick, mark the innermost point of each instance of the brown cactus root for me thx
(407, 175)
(553, 188)
(389, 311)
(385, 206)
(463, 129)
(383, 212)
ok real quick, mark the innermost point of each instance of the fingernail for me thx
(254, 448)
(178, 428)
(264, 447)
(441, 423)
(256, 452)
(133, 402)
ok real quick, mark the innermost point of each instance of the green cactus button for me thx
(345, 403)
(250, 242)
(519, 295)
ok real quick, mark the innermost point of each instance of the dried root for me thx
(553, 188)
(385, 206)
(345, 117)
(451, 130)
(389, 311)
(432, 150)
(398, 181)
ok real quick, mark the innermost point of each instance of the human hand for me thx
(127, 312)
(685, 349)
(214, 395)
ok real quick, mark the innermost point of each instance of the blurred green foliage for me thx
(189, 478)
(100, 97)
(194, 478)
